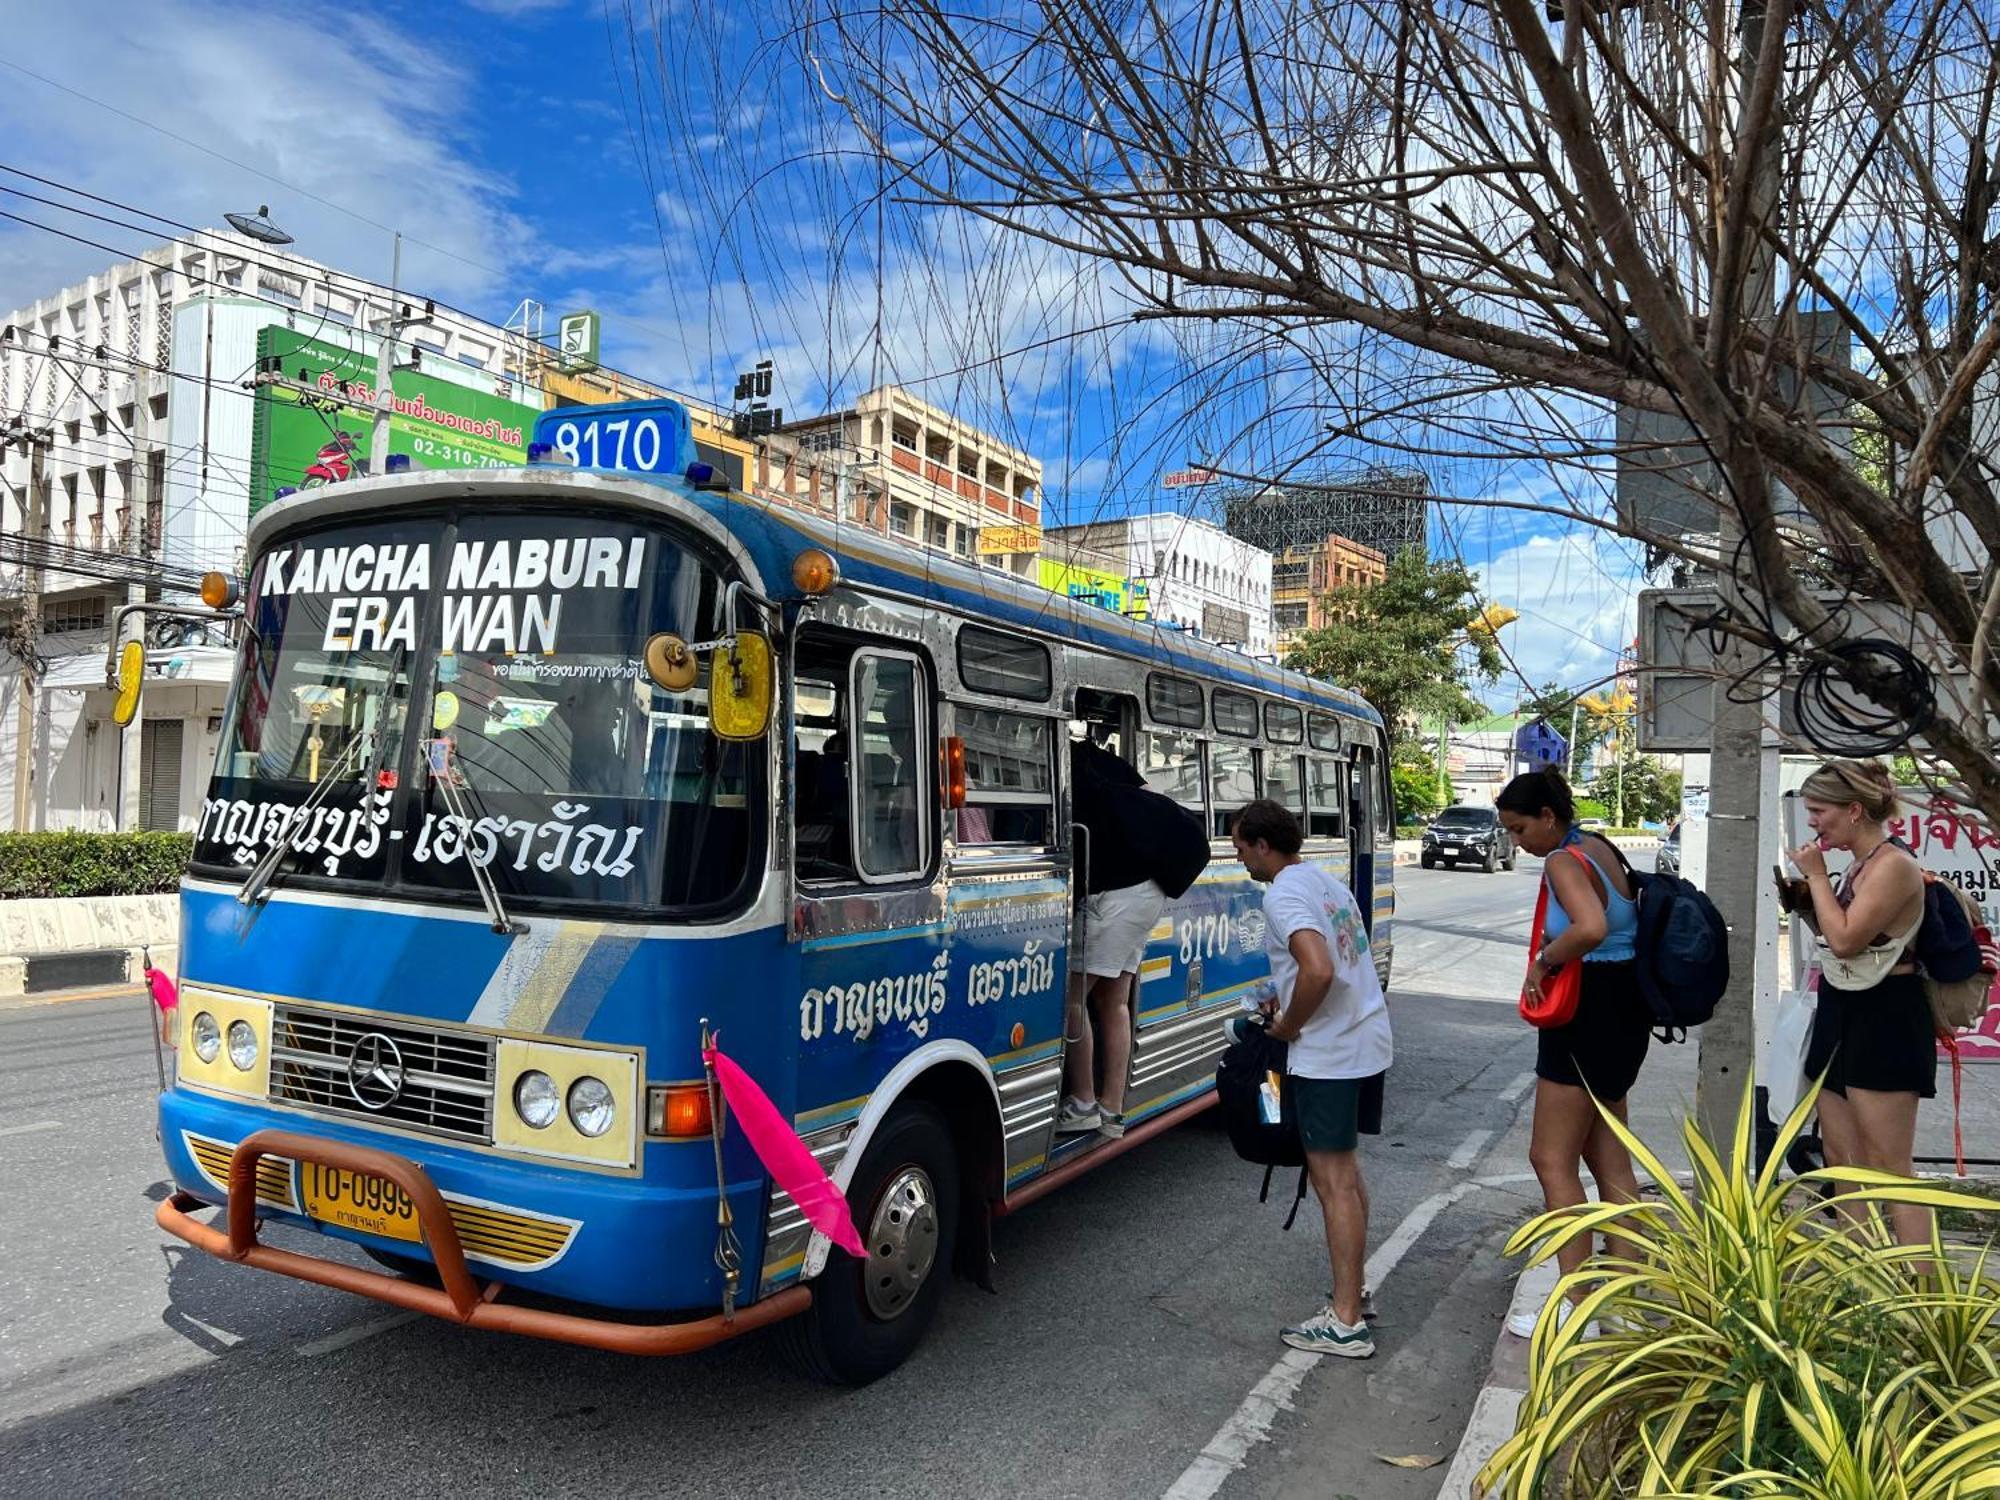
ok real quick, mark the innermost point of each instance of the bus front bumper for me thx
(460, 1298)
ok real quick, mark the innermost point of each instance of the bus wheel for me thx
(867, 1315)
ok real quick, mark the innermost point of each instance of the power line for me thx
(246, 167)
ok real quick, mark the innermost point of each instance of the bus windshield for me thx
(442, 692)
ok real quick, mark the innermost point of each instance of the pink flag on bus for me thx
(162, 985)
(785, 1156)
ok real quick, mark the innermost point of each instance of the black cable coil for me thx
(1837, 719)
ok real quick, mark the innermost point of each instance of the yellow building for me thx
(1302, 576)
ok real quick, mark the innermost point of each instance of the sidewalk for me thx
(1663, 1098)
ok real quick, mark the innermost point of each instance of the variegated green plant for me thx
(1755, 1340)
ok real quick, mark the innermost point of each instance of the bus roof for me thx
(775, 534)
(772, 535)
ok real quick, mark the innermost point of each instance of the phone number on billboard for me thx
(450, 455)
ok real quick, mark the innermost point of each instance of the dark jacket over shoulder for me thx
(1134, 833)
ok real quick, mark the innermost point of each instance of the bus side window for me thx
(1283, 781)
(1232, 780)
(823, 805)
(890, 773)
(1009, 786)
(1325, 797)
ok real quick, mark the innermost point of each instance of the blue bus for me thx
(531, 777)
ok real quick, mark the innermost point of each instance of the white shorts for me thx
(1117, 926)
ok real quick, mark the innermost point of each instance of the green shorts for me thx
(1335, 1112)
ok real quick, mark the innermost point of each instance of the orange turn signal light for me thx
(954, 771)
(218, 590)
(814, 571)
(678, 1110)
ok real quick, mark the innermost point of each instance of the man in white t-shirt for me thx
(1331, 1014)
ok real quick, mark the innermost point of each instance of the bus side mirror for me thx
(739, 688)
(131, 677)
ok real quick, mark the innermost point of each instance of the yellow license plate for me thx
(355, 1200)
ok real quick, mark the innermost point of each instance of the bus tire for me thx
(868, 1315)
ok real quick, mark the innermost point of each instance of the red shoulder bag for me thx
(1560, 990)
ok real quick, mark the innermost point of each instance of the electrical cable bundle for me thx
(1839, 719)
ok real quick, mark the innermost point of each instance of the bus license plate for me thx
(355, 1200)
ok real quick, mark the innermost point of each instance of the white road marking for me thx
(1467, 1151)
(1517, 1088)
(1250, 1423)
(356, 1334)
(31, 1127)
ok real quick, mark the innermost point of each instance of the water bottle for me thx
(1270, 1106)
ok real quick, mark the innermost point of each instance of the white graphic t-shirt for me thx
(1348, 1036)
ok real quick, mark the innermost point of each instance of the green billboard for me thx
(301, 439)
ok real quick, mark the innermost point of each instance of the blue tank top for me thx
(1621, 913)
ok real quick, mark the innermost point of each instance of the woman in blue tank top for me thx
(1592, 920)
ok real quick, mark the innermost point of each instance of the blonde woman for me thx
(1872, 1035)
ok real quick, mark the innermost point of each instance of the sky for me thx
(683, 171)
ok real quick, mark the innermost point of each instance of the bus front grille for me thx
(418, 1077)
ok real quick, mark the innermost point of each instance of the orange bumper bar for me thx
(461, 1299)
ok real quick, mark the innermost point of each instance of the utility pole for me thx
(1735, 836)
(1575, 758)
(400, 318)
(35, 527)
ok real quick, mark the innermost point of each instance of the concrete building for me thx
(904, 468)
(1301, 577)
(1198, 577)
(131, 386)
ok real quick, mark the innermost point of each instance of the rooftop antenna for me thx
(258, 226)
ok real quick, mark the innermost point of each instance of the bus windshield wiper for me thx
(265, 871)
(460, 800)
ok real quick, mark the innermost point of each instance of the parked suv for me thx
(1468, 835)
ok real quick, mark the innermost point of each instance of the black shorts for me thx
(1335, 1112)
(1879, 1038)
(1603, 1046)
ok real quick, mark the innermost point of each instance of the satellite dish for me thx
(258, 226)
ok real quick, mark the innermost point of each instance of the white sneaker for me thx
(1522, 1324)
(1076, 1118)
(1324, 1333)
(1110, 1126)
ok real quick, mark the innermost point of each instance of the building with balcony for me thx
(1303, 575)
(903, 468)
(132, 383)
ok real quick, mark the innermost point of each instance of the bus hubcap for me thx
(902, 1243)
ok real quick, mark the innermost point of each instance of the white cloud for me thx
(1577, 597)
(343, 109)
(513, 8)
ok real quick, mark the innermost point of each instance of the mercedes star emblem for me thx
(375, 1071)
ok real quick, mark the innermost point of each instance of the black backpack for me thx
(1239, 1076)
(1683, 950)
(1947, 945)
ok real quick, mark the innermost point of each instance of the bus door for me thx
(1364, 804)
(874, 966)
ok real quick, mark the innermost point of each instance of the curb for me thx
(1499, 1401)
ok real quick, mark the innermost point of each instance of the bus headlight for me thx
(591, 1107)
(206, 1035)
(242, 1045)
(536, 1100)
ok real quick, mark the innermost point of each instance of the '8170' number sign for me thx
(636, 437)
